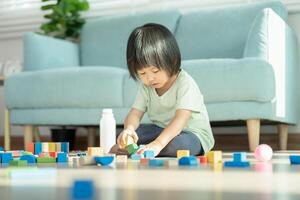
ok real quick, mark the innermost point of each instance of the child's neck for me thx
(167, 86)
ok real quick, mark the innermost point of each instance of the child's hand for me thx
(126, 137)
(155, 146)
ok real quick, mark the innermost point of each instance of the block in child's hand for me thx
(129, 140)
(132, 148)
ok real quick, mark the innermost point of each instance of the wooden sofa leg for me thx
(282, 136)
(91, 136)
(6, 129)
(28, 135)
(253, 128)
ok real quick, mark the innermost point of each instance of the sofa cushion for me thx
(89, 87)
(104, 41)
(219, 32)
(229, 80)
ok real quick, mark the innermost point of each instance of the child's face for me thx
(153, 77)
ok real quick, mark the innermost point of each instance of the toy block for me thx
(87, 160)
(240, 157)
(53, 154)
(188, 161)
(132, 148)
(149, 154)
(144, 161)
(46, 160)
(18, 163)
(26, 153)
(30, 147)
(121, 159)
(136, 156)
(58, 147)
(156, 163)
(172, 163)
(31, 159)
(6, 158)
(45, 147)
(83, 189)
(236, 164)
(214, 156)
(51, 147)
(104, 160)
(37, 148)
(202, 159)
(95, 151)
(182, 153)
(65, 147)
(62, 157)
(16, 153)
(1, 149)
(294, 159)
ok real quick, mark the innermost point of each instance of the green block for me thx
(132, 148)
(46, 160)
(18, 163)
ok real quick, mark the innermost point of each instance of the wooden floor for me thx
(274, 180)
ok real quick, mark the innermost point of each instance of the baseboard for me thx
(224, 142)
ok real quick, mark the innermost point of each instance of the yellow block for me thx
(214, 156)
(51, 147)
(183, 153)
(95, 151)
(58, 147)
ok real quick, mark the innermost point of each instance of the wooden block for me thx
(18, 163)
(62, 157)
(214, 156)
(53, 154)
(45, 147)
(95, 151)
(58, 147)
(132, 148)
(240, 156)
(52, 147)
(65, 147)
(188, 161)
(183, 153)
(37, 148)
(144, 161)
(30, 147)
(202, 159)
(87, 160)
(121, 159)
(136, 156)
(46, 160)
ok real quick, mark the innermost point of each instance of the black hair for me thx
(152, 45)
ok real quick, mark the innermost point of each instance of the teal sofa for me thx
(244, 59)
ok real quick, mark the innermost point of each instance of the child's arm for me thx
(172, 130)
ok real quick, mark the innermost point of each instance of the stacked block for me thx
(62, 157)
(37, 148)
(6, 157)
(30, 147)
(214, 157)
(46, 160)
(183, 153)
(31, 159)
(239, 160)
(52, 147)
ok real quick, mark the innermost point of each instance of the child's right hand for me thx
(126, 137)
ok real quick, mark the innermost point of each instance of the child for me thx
(168, 94)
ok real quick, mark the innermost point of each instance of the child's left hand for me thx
(154, 146)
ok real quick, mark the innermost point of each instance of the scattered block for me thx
(188, 161)
(52, 147)
(30, 147)
(236, 164)
(37, 148)
(132, 148)
(46, 160)
(83, 189)
(294, 159)
(183, 153)
(6, 158)
(18, 163)
(95, 151)
(240, 156)
(149, 154)
(87, 160)
(121, 159)
(31, 159)
(136, 156)
(62, 157)
(214, 156)
(104, 160)
(144, 161)
(156, 163)
(203, 159)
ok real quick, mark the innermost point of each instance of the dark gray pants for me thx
(184, 141)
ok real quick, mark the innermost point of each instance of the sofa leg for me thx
(253, 127)
(91, 136)
(282, 136)
(28, 135)
(6, 129)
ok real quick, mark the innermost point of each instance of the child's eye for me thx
(142, 73)
(156, 71)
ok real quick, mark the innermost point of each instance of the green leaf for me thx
(48, 7)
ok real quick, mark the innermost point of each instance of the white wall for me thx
(12, 50)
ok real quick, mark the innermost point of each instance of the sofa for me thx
(244, 59)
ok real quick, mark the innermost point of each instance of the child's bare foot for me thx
(117, 150)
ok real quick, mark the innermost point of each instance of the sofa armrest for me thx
(271, 39)
(43, 52)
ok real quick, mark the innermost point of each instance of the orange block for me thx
(202, 159)
(144, 161)
(53, 154)
(30, 147)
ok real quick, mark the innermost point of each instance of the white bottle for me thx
(107, 130)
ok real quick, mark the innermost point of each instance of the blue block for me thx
(37, 148)
(6, 158)
(295, 160)
(104, 160)
(65, 147)
(1, 149)
(236, 164)
(156, 163)
(83, 189)
(62, 157)
(240, 157)
(149, 154)
(188, 161)
(136, 156)
(31, 159)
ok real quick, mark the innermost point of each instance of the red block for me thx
(144, 161)
(53, 154)
(30, 147)
(202, 159)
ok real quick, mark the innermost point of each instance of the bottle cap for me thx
(107, 111)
